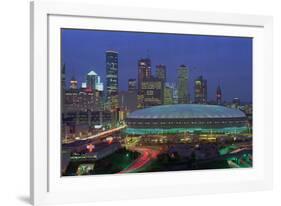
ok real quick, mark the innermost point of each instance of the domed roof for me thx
(186, 111)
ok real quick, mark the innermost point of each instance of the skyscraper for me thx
(182, 84)
(144, 71)
(132, 85)
(111, 73)
(219, 95)
(168, 94)
(91, 80)
(161, 72)
(200, 89)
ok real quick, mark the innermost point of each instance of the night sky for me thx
(224, 60)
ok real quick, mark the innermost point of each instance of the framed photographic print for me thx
(132, 106)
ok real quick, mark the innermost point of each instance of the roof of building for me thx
(92, 73)
(185, 111)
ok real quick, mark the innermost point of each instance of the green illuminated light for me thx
(146, 131)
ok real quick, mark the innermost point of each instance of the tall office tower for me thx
(111, 74)
(168, 94)
(132, 85)
(182, 84)
(144, 71)
(161, 72)
(219, 95)
(73, 84)
(200, 89)
(91, 80)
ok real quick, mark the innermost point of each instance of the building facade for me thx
(111, 74)
(127, 101)
(144, 71)
(182, 85)
(93, 81)
(73, 84)
(132, 85)
(152, 91)
(168, 94)
(200, 90)
(161, 72)
(191, 118)
(236, 103)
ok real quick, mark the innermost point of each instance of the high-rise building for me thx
(132, 85)
(73, 83)
(91, 80)
(152, 91)
(219, 95)
(174, 89)
(161, 72)
(200, 90)
(168, 94)
(144, 71)
(182, 85)
(111, 74)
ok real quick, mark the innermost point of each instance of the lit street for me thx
(146, 156)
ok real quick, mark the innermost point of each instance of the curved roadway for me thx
(146, 156)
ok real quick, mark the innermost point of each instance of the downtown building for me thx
(200, 91)
(93, 82)
(112, 79)
(152, 92)
(83, 107)
(132, 85)
(144, 72)
(161, 72)
(182, 85)
(219, 95)
(170, 93)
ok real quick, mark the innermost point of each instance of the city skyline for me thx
(215, 77)
(180, 107)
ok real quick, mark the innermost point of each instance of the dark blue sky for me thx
(227, 60)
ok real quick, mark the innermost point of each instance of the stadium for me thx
(181, 118)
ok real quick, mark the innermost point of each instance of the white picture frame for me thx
(46, 184)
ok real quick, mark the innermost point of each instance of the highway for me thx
(146, 156)
(99, 135)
